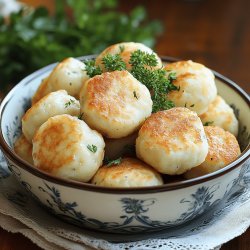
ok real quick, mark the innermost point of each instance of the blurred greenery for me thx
(30, 40)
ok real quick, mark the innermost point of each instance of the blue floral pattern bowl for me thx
(122, 210)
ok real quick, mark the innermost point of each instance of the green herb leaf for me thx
(114, 162)
(191, 106)
(113, 62)
(208, 123)
(161, 103)
(45, 37)
(158, 81)
(135, 95)
(80, 116)
(92, 148)
(91, 69)
(143, 58)
(67, 104)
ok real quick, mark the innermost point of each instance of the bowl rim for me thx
(7, 150)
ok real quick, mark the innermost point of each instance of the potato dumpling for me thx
(66, 147)
(114, 148)
(125, 50)
(69, 74)
(220, 114)
(172, 141)
(196, 85)
(55, 103)
(23, 148)
(223, 149)
(115, 103)
(129, 173)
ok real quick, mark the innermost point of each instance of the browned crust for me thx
(183, 64)
(227, 117)
(126, 166)
(101, 95)
(165, 126)
(223, 146)
(51, 140)
(23, 148)
(41, 92)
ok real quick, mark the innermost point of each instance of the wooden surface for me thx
(215, 33)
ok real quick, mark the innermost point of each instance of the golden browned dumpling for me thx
(115, 148)
(69, 75)
(129, 172)
(172, 141)
(65, 146)
(196, 84)
(55, 103)
(223, 149)
(125, 50)
(220, 114)
(23, 148)
(42, 91)
(115, 103)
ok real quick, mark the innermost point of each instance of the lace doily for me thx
(20, 213)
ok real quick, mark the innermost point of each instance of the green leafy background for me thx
(30, 40)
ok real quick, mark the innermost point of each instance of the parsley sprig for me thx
(158, 83)
(158, 80)
(208, 123)
(142, 58)
(113, 62)
(92, 148)
(67, 104)
(92, 69)
(114, 162)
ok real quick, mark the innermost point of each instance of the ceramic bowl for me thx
(122, 210)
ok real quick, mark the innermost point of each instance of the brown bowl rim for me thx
(133, 190)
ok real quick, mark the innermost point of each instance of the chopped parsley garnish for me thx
(113, 62)
(80, 116)
(91, 69)
(192, 105)
(92, 148)
(208, 123)
(158, 80)
(114, 162)
(158, 83)
(141, 58)
(67, 104)
(135, 95)
(161, 103)
(172, 76)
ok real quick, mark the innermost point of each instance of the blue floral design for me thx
(243, 135)
(14, 129)
(133, 209)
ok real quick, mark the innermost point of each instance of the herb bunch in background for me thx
(30, 40)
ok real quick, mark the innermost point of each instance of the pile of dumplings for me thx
(75, 121)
